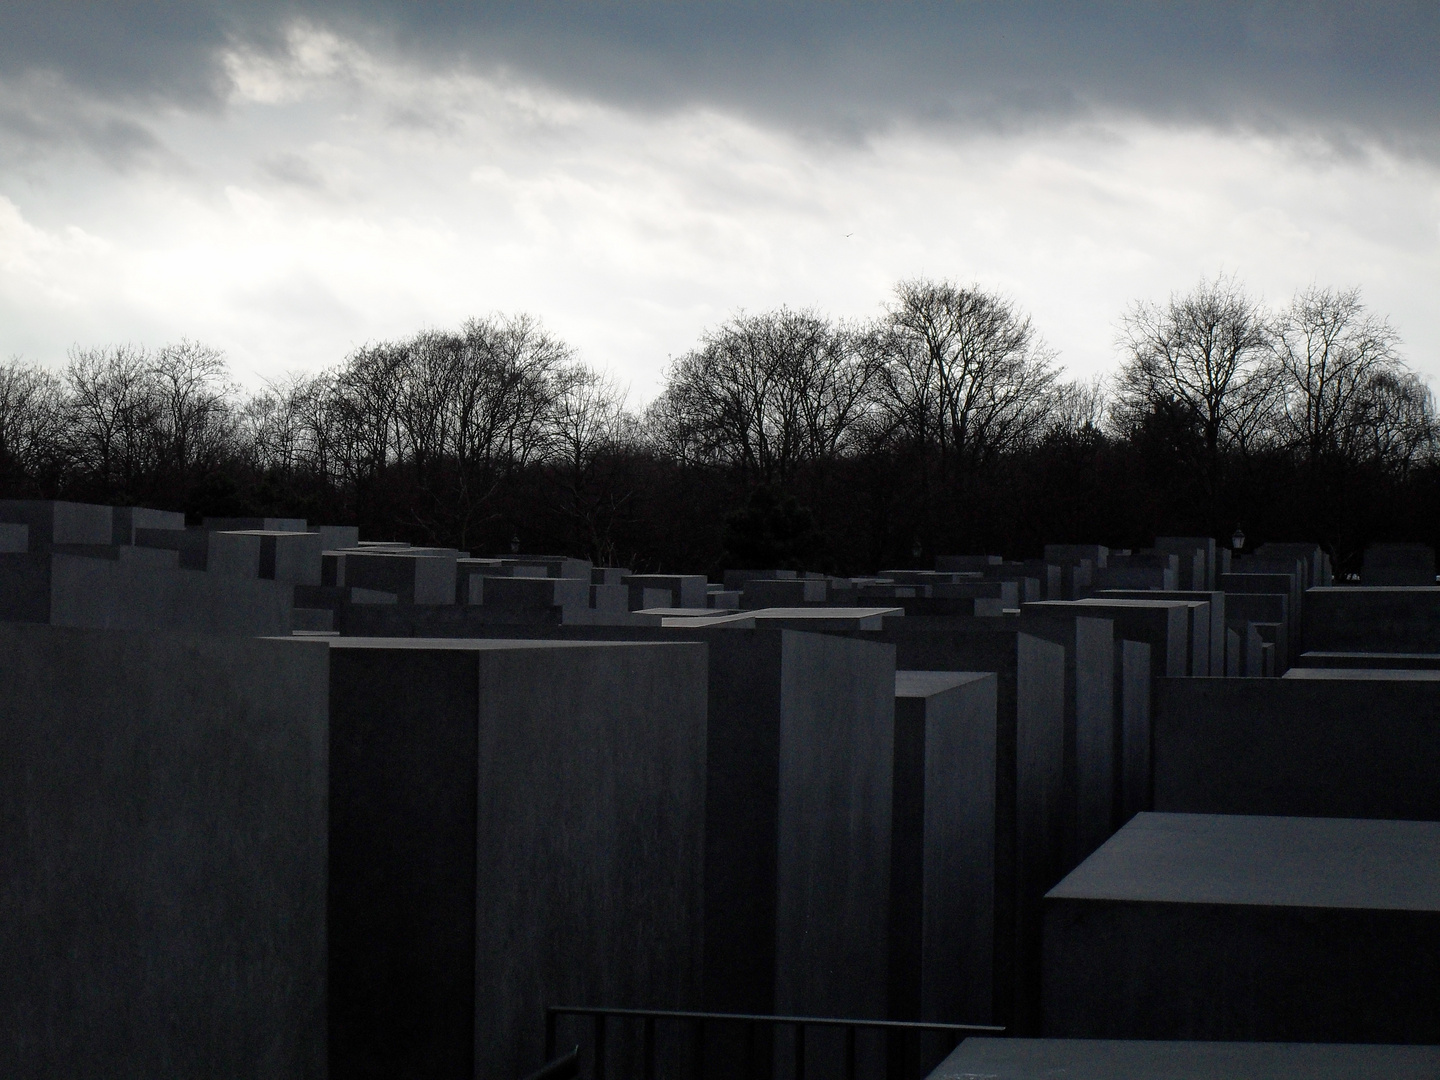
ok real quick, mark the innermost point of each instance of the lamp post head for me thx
(515, 544)
(1238, 540)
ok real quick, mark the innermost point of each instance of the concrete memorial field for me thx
(286, 799)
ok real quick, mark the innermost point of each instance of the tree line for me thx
(784, 438)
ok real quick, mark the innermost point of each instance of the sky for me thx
(289, 181)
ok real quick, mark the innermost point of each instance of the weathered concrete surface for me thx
(513, 825)
(1133, 694)
(220, 524)
(1197, 559)
(163, 838)
(1315, 562)
(942, 852)
(1164, 628)
(747, 714)
(1029, 779)
(414, 578)
(1367, 619)
(687, 590)
(782, 592)
(60, 523)
(1090, 715)
(131, 593)
(277, 555)
(837, 717)
(1139, 1059)
(1319, 742)
(1268, 610)
(1368, 660)
(1207, 624)
(1272, 576)
(1163, 624)
(1398, 564)
(127, 519)
(1198, 926)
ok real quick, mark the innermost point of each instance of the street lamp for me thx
(1238, 540)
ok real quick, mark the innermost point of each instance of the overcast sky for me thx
(289, 181)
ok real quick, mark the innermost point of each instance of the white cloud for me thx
(343, 197)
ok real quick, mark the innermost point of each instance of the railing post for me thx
(750, 1062)
(800, 1051)
(549, 1032)
(649, 1064)
(850, 1052)
(599, 1046)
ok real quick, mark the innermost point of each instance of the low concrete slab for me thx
(1199, 926)
(1137, 1059)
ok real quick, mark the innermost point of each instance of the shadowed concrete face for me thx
(1398, 564)
(135, 593)
(1207, 623)
(1319, 742)
(1351, 619)
(747, 713)
(942, 867)
(1133, 693)
(1090, 738)
(514, 825)
(1029, 765)
(1187, 926)
(162, 906)
(837, 715)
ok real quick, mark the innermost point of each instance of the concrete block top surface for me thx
(924, 684)
(1179, 595)
(1357, 590)
(741, 621)
(824, 613)
(1141, 1059)
(1237, 859)
(1120, 602)
(1358, 674)
(284, 534)
(480, 644)
(1369, 660)
(829, 618)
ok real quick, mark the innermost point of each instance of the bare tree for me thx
(1394, 427)
(113, 417)
(367, 393)
(1077, 407)
(765, 394)
(193, 408)
(286, 427)
(1340, 367)
(965, 372)
(1206, 355)
(33, 429)
(591, 429)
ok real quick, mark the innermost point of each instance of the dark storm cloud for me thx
(1351, 71)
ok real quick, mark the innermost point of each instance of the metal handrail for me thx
(700, 1019)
